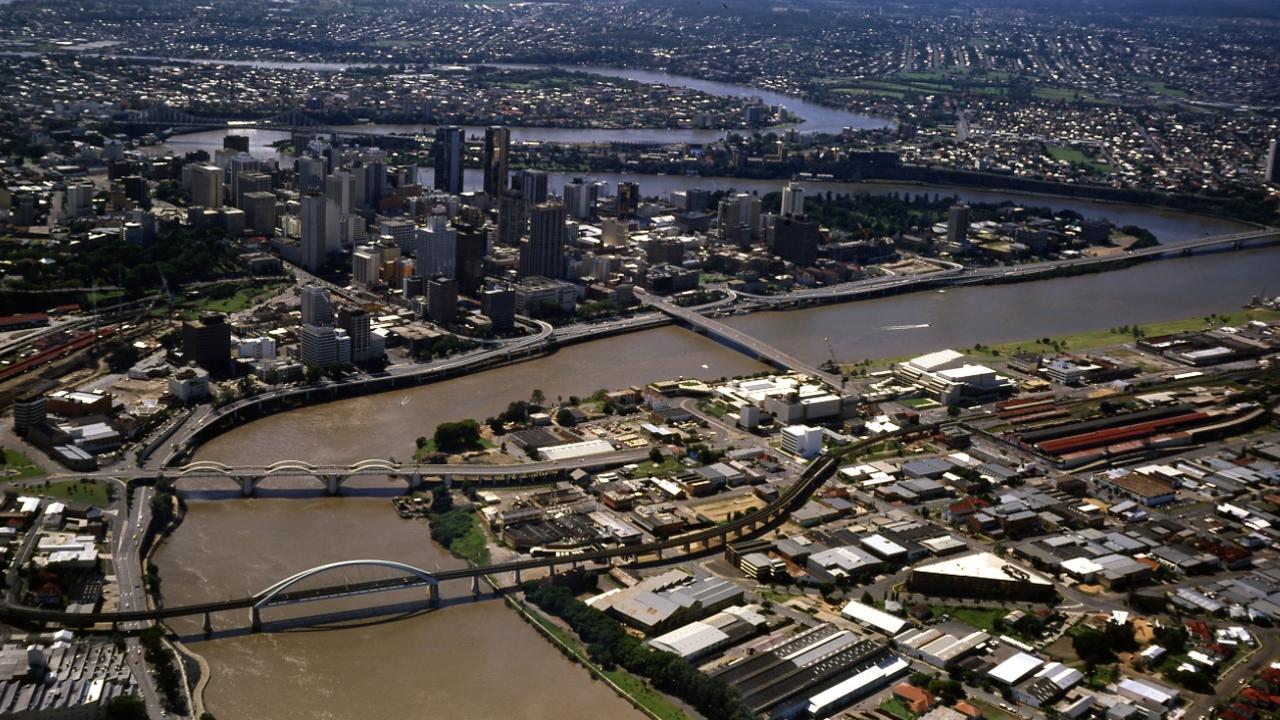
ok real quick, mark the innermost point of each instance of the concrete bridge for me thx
(333, 477)
(673, 549)
(754, 347)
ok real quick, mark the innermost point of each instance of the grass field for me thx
(18, 466)
(1076, 157)
(980, 618)
(245, 296)
(648, 468)
(93, 492)
(897, 708)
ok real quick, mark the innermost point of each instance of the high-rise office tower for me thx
(532, 185)
(250, 182)
(497, 150)
(739, 219)
(542, 253)
(315, 249)
(311, 172)
(317, 309)
(628, 200)
(437, 251)
(442, 300)
(958, 225)
(580, 198)
(793, 199)
(242, 164)
(795, 240)
(472, 245)
(512, 217)
(499, 305)
(1273, 163)
(206, 186)
(447, 162)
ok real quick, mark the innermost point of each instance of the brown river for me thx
(480, 660)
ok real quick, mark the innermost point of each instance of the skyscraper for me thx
(795, 240)
(532, 185)
(1273, 163)
(580, 198)
(437, 251)
(447, 162)
(512, 216)
(339, 195)
(316, 306)
(958, 225)
(628, 200)
(497, 149)
(542, 253)
(793, 199)
(206, 186)
(310, 171)
(315, 250)
(442, 300)
(469, 251)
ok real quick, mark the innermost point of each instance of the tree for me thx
(441, 500)
(421, 442)
(537, 398)
(126, 707)
(457, 436)
(655, 456)
(564, 418)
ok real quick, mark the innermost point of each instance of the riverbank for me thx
(1082, 341)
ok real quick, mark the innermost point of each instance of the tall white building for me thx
(79, 199)
(324, 345)
(366, 265)
(802, 440)
(315, 248)
(793, 199)
(437, 250)
(316, 306)
(339, 194)
(580, 198)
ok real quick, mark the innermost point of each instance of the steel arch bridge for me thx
(279, 592)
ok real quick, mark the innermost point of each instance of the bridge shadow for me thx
(370, 617)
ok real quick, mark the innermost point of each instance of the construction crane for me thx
(833, 363)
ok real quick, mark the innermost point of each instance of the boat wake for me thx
(905, 327)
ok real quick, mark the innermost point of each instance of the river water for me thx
(468, 660)
(227, 547)
(481, 661)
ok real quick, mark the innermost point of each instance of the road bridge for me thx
(688, 545)
(754, 347)
(333, 477)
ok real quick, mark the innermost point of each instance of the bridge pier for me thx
(518, 583)
(333, 483)
(433, 595)
(208, 624)
(415, 481)
(475, 586)
(247, 485)
(255, 618)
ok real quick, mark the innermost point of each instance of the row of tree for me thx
(610, 646)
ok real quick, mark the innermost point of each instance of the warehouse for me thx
(874, 618)
(980, 574)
